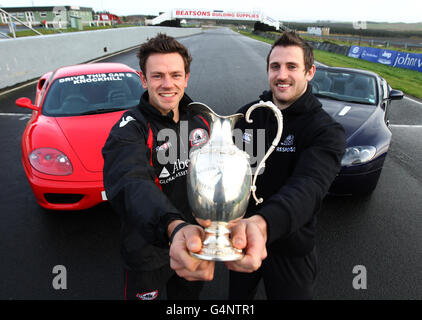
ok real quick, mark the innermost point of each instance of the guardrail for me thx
(28, 58)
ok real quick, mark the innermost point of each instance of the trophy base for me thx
(217, 246)
(219, 254)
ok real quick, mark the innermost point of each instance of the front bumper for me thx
(66, 195)
(360, 179)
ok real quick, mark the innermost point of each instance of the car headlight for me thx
(50, 161)
(358, 155)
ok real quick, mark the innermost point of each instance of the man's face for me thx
(286, 75)
(165, 80)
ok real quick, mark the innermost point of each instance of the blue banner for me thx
(355, 52)
(370, 54)
(412, 61)
(387, 57)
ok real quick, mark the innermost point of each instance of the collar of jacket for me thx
(304, 104)
(149, 110)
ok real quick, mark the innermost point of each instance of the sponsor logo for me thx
(247, 137)
(287, 145)
(163, 147)
(147, 295)
(198, 137)
(164, 173)
(289, 141)
(180, 169)
(386, 54)
(125, 121)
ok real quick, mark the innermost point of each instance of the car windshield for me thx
(344, 86)
(92, 93)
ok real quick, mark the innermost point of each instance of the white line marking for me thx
(20, 87)
(418, 102)
(15, 114)
(405, 126)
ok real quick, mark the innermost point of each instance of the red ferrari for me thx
(74, 110)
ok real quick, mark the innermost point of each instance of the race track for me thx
(383, 232)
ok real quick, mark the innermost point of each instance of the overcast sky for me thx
(297, 10)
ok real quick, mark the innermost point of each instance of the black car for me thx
(360, 101)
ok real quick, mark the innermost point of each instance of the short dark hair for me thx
(290, 38)
(163, 43)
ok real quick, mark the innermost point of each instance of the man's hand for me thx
(249, 234)
(189, 239)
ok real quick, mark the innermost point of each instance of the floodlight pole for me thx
(360, 35)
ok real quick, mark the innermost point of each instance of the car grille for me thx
(60, 198)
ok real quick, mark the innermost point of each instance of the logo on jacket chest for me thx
(198, 137)
(173, 171)
(165, 146)
(288, 145)
(173, 144)
(172, 151)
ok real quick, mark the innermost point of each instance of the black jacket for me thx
(145, 178)
(298, 173)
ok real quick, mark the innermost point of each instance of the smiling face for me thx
(165, 80)
(287, 76)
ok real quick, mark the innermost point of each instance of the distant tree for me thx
(171, 23)
(258, 26)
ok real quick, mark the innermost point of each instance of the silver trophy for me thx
(219, 181)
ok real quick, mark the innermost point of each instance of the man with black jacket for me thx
(146, 158)
(145, 174)
(296, 178)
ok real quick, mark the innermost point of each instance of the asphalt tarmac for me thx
(380, 235)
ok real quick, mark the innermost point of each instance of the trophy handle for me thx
(279, 117)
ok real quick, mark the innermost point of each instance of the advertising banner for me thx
(355, 52)
(215, 14)
(387, 57)
(370, 54)
(412, 61)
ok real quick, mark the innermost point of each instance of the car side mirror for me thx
(25, 103)
(396, 94)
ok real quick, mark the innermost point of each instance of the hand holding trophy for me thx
(219, 181)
